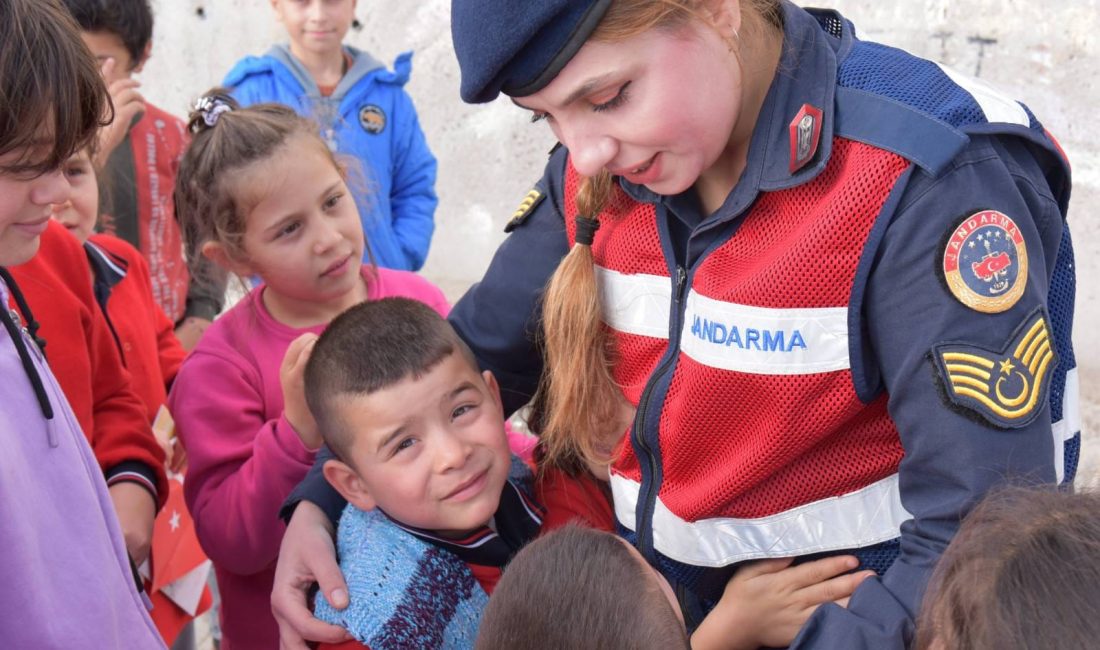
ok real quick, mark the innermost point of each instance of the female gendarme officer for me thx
(834, 280)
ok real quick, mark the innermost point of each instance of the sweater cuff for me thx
(134, 471)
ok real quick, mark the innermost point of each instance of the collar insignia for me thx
(1007, 387)
(805, 136)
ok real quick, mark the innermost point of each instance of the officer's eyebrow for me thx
(584, 89)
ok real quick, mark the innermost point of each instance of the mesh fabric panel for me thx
(1072, 458)
(889, 72)
(800, 247)
(777, 442)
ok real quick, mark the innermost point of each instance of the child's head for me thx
(261, 194)
(315, 27)
(53, 102)
(581, 588)
(419, 431)
(80, 212)
(1022, 572)
(117, 29)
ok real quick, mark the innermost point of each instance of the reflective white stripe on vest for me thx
(857, 519)
(1069, 425)
(765, 341)
(635, 304)
(997, 107)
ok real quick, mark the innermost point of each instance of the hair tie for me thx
(211, 107)
(586, 230)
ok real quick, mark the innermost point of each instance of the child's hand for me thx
(766, 602)
(136, 510)
(128, 104)
(292, 377)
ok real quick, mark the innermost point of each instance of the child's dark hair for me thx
(225, 140)
(578, 588)
(369, 347)
(130, 20)
(50, 88)
(1022, 572)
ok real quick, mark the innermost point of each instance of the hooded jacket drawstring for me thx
(10, 318)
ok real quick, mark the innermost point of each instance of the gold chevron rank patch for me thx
(1007, 387)
(533, 198)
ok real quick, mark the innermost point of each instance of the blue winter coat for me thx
(371, 121)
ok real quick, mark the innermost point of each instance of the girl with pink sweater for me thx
(261, 195)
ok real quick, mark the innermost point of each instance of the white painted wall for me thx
(1042, 52)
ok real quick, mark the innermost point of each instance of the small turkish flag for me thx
(180, 569)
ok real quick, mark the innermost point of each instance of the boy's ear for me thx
(140, 63)
(346, 481)
(217, 253)
(494, 388)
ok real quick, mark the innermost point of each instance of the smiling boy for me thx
(437, 503)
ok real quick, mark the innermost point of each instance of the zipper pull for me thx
(681, 275)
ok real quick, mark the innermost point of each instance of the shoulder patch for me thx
(985, 262)
(1007, 387)
(533, 198)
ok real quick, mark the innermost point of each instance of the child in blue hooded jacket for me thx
(364, 114)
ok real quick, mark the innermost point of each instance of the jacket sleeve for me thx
(122, 439)
(170, 352)
(412, 194)
(240, 465)
(954, 453)
(86, 361)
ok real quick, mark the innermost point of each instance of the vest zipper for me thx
(648, 491)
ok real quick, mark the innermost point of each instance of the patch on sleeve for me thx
(985, 262)
(1007, 387)
(533, 198)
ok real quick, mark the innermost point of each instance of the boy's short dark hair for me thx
(1022, 572)
(50, 87)
(130, 20)
(578, 588)
(369, 347)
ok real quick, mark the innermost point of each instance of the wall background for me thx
(1040, 52)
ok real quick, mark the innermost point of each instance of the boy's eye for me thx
(462, 410)
(618, 100)
(404, 444)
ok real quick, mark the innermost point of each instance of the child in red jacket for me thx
(145, 336)
(83, 355)
(151, 351)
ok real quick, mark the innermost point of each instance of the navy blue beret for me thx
(518, 46)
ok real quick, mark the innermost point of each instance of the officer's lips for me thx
(640, 174)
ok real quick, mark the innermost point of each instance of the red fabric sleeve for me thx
(582, 500)
(81, 352)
